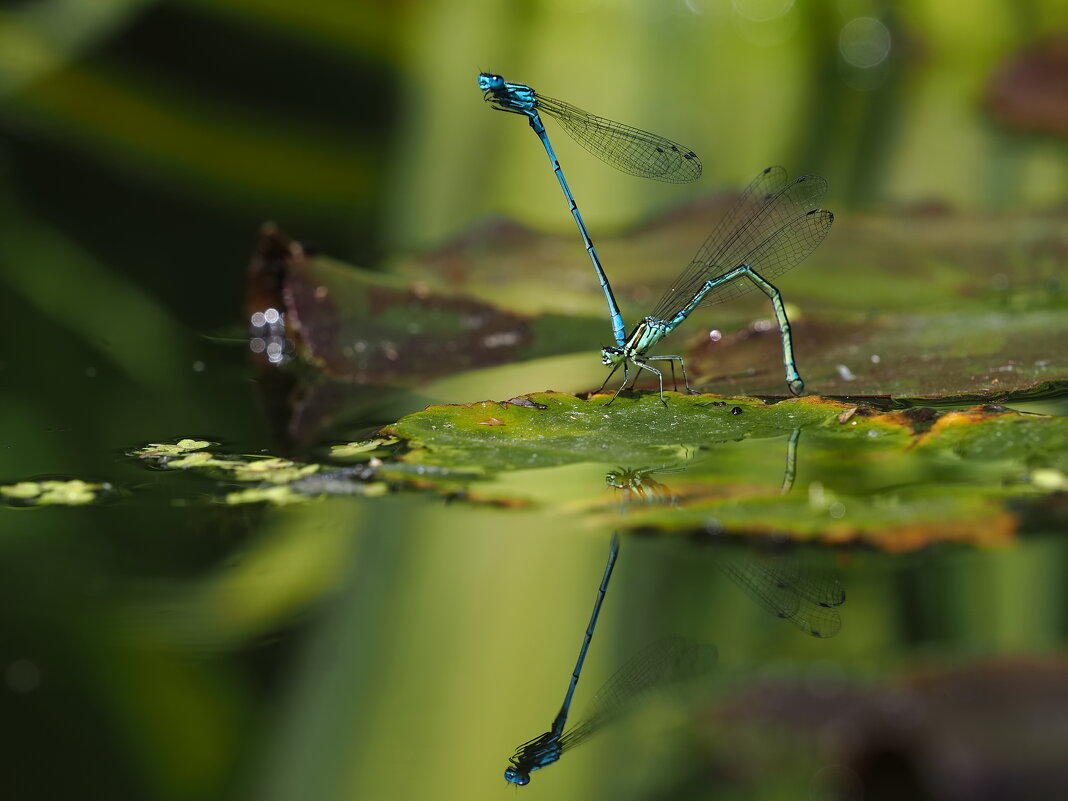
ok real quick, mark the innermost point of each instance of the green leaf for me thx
(276, 480)
(361, 450)
(178, 448)
(810, 468)
(73, 492)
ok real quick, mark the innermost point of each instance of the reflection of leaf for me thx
(897, 480)
(1004, 715)
(280, 495)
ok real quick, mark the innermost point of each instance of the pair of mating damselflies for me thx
(773, 226)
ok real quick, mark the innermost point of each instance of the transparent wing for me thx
(763, 581)
(628, 149)
(821, 587)
(756, 231)
(762, 191)
(821, 595)
(806, 597)
(661, 664)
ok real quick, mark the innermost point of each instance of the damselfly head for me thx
(516, 776)
(489, 82)
(611, 355)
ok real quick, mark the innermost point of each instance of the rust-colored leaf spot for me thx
(966, 417)
(988, 530)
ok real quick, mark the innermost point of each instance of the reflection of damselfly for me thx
(662, 664)
(807, 597)
(659, 665)
(637, 485)
(546, 749)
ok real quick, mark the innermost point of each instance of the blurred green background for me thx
(169, 648)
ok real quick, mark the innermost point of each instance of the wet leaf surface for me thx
(810, 469)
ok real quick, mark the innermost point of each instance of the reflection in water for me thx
(987, 730)
(661, 664)
(546, 749)
(790, 473)
(637, 485)
(806, 597)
